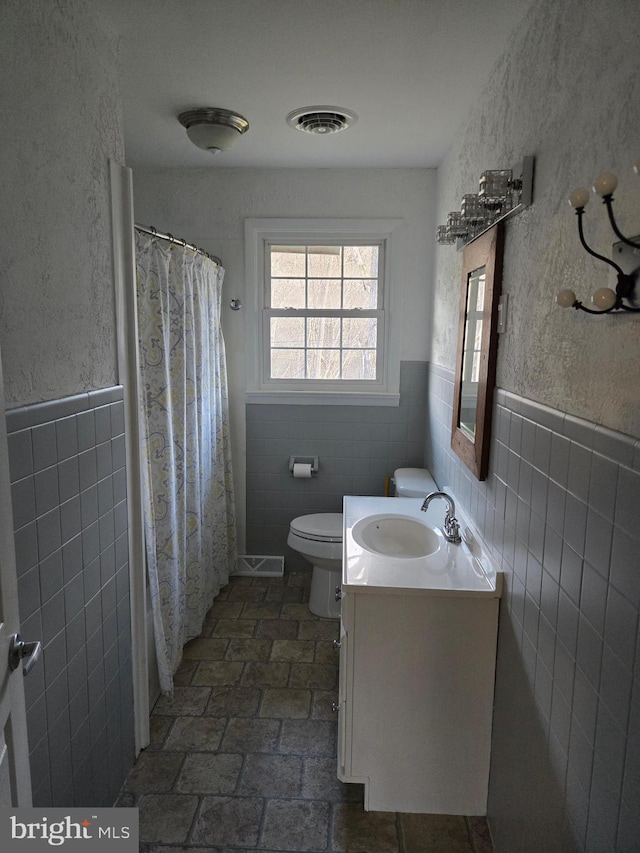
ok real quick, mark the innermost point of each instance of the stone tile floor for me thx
(242, 757)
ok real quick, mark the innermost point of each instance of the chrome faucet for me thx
(450, 528)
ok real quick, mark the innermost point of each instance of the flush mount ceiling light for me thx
(321, 120)
(213, 129)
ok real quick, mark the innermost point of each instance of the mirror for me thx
(477, 350)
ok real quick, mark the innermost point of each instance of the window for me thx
(321, 300)
(321, 303)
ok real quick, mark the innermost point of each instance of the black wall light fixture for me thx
(605, 299)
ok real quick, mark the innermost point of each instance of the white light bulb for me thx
(579, 197)
(566, 298)
(604, 298)
(605, 184)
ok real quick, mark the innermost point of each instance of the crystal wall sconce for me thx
(605, 299)
(501, 194)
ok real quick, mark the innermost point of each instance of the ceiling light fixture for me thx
(213, 129)
(605, 299)
(321, 120)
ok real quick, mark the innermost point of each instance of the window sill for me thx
(324, 398)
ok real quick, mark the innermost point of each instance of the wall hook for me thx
(235, 304)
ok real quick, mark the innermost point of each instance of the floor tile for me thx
(271, 776)
(254, 610)
(234, 628)
(357, 831)
(246, 593)
(285, 702)
(155, 848)
(320, 782)
(234, 702)
(225, 609)
(320, 676)
(320, 629)
(300, 612)
(218, 672)
(479, 834)
(248, 650)
(296, 825)
(166, 817)
(242, 756)
(154, 772)
(426, 833)
(231, 821)
(277, 629)
(251, 735)
(309, 737)
(185, 673)
(284, 593)
(158, 729)
(322, 705)
(195, 734)
(205, 649)
(185, 701)
(209, 773)
(293, 650)
(271, 674)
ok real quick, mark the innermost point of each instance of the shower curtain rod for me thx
(149, 229)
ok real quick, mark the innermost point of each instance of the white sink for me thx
(396, 536)
(390, 543)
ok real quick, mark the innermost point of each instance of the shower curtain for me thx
(187, 479)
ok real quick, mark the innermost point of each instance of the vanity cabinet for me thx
(416, 699)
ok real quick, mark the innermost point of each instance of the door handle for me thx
(21, 651)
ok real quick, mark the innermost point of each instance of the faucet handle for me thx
(452, 528)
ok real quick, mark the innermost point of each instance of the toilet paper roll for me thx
(301, 470)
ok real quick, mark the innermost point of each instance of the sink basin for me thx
(396, 536)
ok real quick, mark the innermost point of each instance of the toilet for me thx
(318, 538)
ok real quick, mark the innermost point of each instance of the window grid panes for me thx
(324, 306)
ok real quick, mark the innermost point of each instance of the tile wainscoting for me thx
(560, 511)
(69, 493)
(358, 446)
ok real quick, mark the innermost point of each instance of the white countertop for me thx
(465, 569)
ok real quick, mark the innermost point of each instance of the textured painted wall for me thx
(568, 91)
(61, 123)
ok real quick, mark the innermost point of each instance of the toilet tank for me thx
(413, 482)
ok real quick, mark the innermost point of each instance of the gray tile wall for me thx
(357, 447)
(68, 482)
(560, 510)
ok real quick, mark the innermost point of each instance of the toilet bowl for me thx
(318, 538)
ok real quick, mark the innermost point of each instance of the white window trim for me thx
(260, 231)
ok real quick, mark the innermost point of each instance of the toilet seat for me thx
(319, 527)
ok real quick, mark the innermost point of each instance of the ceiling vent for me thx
(321, 120)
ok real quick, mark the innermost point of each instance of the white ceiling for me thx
(410, 69)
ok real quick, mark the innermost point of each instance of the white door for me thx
(15, 778)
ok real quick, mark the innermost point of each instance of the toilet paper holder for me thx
(304, 460)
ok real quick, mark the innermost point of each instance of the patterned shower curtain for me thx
(187, 480)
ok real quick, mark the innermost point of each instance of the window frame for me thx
(260, 234)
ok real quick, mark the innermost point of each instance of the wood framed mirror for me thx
(477, 350)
